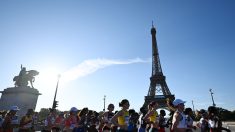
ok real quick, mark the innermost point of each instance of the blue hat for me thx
(15, 108)
(73, 109)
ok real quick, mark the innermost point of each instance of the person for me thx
(179, 118)
(162, 121)
(11, 120)
(82, 120)
(203, 122)
(93, 122)
(21, 76)
(121, 118)
(133, 121)
(189, 120)
(152, 115)
(172, 109)
(59, 122)
(106, 118)
(35, 119)
(143, 123)
(2, 116)
(50, 120)
(71, 120)
(26, 122)
(214, 121)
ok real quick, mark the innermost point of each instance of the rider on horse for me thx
(24, 77)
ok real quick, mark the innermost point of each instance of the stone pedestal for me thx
(23, 97)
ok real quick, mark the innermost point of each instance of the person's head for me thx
(202, 111)
(110, 107)
(188, 111)
(52, 111)
(73, 111)
(179, 104)
(162, 113)
(14, 109)
(131, 111)
(153, 105)
(124, 104)
(83, 112)
(143, 110)
(30, 112)
(61, 114)
(212, 110)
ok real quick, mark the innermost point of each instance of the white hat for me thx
(15, 108)
(73, 109)
(178, 101)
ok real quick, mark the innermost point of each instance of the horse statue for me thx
(22, 80)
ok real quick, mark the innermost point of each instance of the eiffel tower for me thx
(158, 90)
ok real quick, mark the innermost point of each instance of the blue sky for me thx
(104, 48)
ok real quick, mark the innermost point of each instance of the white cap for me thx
(73, 109)
(15, 108)
(178, 101)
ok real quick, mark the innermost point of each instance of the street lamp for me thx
(104, 103)
(212, 97)
(193, 106)
(55, 103)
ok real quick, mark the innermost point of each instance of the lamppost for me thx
(55, 103)
(104, 102)
(212, 97)
(193, 106)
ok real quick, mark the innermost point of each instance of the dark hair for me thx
(162, 112)
(131, 111)
(30, 111)
(83, 111)
(202, 111)
(110, 105)
(143, 110)
(124, 101)
(212, 109)
(187, 110)
(152, 103)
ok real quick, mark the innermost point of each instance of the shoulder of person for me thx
(178, 116)
(105, 114)
(23, 118)
(120, 113)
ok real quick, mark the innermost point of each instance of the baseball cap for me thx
(178, 101)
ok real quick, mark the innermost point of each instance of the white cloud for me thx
(90, 66)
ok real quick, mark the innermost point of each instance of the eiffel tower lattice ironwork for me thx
(157, 80)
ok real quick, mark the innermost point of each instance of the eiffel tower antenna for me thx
(158, 90)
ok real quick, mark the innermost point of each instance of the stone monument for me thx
(21, 95)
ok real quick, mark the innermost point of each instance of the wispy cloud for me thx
(90, 66)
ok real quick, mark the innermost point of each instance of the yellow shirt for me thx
(27, 121)
(153, 117)
(124, 119)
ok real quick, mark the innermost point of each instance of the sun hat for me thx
(178, 101)
(15, 108)
(73, 109)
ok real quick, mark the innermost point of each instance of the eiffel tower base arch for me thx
(160, 99)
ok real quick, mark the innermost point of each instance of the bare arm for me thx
(146, 117)
(177, 116)
(114, 119)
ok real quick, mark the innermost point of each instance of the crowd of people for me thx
(125, 120)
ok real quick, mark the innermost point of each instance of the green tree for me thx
(43, 113)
